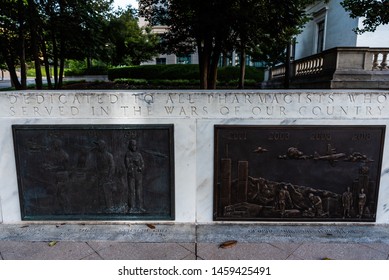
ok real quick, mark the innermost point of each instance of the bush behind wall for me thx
(180, 72)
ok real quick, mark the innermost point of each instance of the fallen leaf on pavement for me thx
(52, 243)
(228, 244)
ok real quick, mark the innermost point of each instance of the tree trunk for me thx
(22, 47)
(61, 61)
(12, 73)
(37, 62)
(287, 67)
(23, 67)
(224, 62)
(203, 74)
(35, 43)
(89, 62)
(55, 61)
(212, 76)
(38, 73)
(242, 68)
(203, 51)
(61, 72)
(47, 64)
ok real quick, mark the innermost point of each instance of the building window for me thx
(161, 60)
(187, 59)
(320, 36)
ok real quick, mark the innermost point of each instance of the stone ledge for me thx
(201, 233)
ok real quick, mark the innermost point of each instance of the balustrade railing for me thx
(311, 66)
(334, 59)
(380, 59)
(278, 71)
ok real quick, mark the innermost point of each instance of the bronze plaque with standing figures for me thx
(297, 173)
(95, 172)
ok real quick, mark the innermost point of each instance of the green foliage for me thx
(181, 84)
(152, 72)
(235, 83)
(94, 70)
(178, 72)
(231, 73)
(213, 27)
(54, 30)
(136, 82)
(375, 12)
(80, 68)
(127, 43)
(158, 82)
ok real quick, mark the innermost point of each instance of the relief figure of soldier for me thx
(58, 164)
(105, 170)
(135, 165)
(347, 202)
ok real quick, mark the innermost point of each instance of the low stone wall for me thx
(194, 115)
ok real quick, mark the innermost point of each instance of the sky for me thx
(125, 3)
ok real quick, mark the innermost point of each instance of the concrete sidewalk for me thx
(69, 250)
(200, 242)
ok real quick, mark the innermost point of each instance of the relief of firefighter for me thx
(299, 177)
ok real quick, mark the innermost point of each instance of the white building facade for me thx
(331, 26)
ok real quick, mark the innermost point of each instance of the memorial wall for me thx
(194, 156)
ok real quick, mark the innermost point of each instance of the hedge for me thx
(179, 72)
(157, 82)
(94, 70)
(153, 72)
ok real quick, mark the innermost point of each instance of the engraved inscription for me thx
(279, 136)
(90, 172)
(304, 173)
(195, 104)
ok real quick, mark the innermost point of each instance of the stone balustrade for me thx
(278, 71)
(313, 65)
(380, 57)
(343, 67)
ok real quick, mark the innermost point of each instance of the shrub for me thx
(131, 81)
(94, 70)
(157, 83)
(153, 72)
(179, 72)
(229, 73)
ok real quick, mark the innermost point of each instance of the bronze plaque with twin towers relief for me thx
(95, 172)
(297, 173)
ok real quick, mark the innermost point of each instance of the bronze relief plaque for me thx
(95, 172)
(297, 173)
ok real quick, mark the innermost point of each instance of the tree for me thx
(13, 31)
(375, 13)
(126, 42)
(52, 30)
(3, 66)
(213, 27)
(265, 28)
(34, 22)
(73, 29)
(193, 24)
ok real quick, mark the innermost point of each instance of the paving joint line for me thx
(195, 242)
(371, 248)
(93, 249)
(190, 251)
(300, 244)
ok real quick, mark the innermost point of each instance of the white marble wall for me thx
(194, 115)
